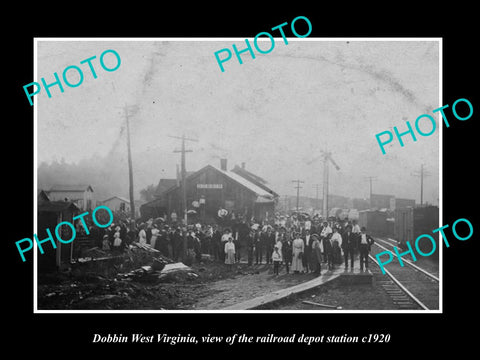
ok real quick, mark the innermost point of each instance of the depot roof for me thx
(236, 178)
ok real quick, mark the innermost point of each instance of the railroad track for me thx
(410, 287)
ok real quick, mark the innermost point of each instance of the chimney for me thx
(243, 165)
(223, 164)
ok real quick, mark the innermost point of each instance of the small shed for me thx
(51, 213)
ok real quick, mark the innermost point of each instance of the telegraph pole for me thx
(298, 187)
(183, 173)
(327, 156)
(316, 186)
(130, 172)
(421, 174)
(286, 204)
(370, 178)
(184, 185)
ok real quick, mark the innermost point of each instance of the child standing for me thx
(287, 252)
(230, 252)
(277, 256)
(105, 243)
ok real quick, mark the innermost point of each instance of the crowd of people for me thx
(297, 243)
(301, 246)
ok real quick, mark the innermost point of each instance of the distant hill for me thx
(108, 175)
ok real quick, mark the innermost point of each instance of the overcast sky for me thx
(274, 112)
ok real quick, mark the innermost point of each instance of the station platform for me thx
(348, 277)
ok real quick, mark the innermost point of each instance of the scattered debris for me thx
(94, 252)
(139, 278)
(174, 272)
(321, 305)
(158, 264)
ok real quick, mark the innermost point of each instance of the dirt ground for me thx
(215, 287)
(209, 285)
(253, 281)
(348, 297)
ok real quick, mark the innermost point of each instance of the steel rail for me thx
(409, 262)
(401, 286)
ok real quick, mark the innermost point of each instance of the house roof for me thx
(241, 171)
(232, 176)
(118, 197)
(42, 195)
(70, 188)
(164, 185)
(57, 206)
(154, 203)
(263, 200)
(246, 183)
(257, 180)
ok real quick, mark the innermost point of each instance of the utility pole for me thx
(370, 178)
(183, 185)
(316, 186)
(298, 187)
(421, 174)
(327, 156)
(130, 171)
(286, 204)
(183, 173)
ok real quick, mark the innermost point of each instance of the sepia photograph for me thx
(278, 182)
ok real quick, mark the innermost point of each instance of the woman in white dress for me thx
(155, 233)
(117, 241)
(298, 248)
(230, 252)
(142, 235)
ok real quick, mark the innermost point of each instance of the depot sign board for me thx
(209, 186)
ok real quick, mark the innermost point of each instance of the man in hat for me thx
(328, 248)
(365, 244)
(324, 234)
(258, 245)
(162, 240)
(308, 249)
(316, 255)
(177, 243)
(250, 245)
(269, 244)
(216, 243)
(243, 231)
(356, 228)
(349, 246)
(199, 239)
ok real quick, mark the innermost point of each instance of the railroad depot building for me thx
(210, 189)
